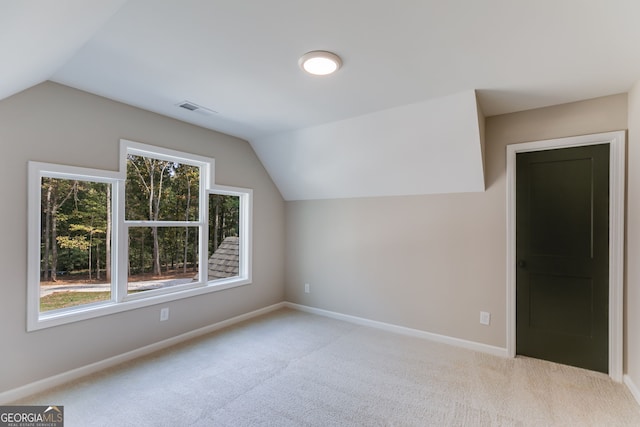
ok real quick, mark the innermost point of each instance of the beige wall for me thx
(427, 262)
(53, 123)
(632, 294)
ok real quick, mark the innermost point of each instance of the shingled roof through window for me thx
(225, 261)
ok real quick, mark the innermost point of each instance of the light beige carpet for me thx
(295, 369)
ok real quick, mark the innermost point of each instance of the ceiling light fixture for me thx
(320, 62)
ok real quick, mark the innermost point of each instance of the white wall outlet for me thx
(485, 317)
(164, 314)
(307, 288)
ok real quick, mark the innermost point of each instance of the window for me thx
(159, 229)
(163, 220)
(75, 241)
(229, 237)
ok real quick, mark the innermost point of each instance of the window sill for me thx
(90, 311)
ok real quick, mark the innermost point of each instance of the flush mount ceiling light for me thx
(320, 62)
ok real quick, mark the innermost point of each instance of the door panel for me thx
(552, 297)
(562, 224)
(562, 244)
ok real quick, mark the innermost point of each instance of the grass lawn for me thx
(71, 299)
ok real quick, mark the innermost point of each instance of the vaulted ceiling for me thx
(398, 118)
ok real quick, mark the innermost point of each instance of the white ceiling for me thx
(239, 58)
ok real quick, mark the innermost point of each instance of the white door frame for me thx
(616, 141)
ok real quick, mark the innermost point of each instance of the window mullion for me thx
(204, 228)
(119, 279)
(146, 223)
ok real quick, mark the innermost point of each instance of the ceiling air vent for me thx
(192, 106)
(188, 106)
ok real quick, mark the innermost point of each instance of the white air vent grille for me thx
(192, 106)
(188, 106)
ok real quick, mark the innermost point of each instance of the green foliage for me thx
(74, 220)
(161, 190)
(76, 242)
(224, 219)
(58, 300)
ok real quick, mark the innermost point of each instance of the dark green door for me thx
(562, 226)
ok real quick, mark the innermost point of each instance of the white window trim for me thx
(120, 301)
(245, 231)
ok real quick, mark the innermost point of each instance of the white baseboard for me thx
(633, 388)
(56, 380)
(470, 345)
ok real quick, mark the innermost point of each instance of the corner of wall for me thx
(481, 132)
(632, 283)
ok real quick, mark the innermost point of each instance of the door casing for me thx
(616, 141)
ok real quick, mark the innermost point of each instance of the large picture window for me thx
(159, 229)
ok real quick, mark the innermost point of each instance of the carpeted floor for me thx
(296, 369)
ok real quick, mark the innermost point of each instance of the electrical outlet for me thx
(307, 288)
(485, 317)
(164, 314)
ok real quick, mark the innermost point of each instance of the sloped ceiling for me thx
(423, 148)
(39, 37)
(420, 57)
